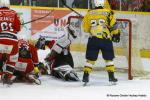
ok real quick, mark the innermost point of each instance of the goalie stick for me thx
(38, 18)
(63, 2)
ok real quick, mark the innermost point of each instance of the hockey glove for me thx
(36, 70)
(42, 68)
(116, 38)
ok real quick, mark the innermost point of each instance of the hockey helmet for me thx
(24, 51)
(23, 39)
(22, 43)
(99, 3)
(4, 3)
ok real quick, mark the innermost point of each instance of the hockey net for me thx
(127, 51)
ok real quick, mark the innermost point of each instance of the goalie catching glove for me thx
(66, 72)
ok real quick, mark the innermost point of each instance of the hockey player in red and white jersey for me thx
(9, 27)
(26, 68)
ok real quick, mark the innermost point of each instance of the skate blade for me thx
(112, 83)
(85, 84)
(7, 85)
(36, 81)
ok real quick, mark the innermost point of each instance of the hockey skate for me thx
(85, 78)
(8, 79)
(112, 79)
(33, 79)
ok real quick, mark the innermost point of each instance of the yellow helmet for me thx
(4, 3)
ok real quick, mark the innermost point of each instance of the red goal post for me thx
(77, 26)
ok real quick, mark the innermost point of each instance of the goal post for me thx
(127, 51)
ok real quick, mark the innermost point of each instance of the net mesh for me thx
(127, 52)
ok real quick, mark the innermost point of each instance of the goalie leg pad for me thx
(66, 73)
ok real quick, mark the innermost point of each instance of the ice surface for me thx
(97, 89)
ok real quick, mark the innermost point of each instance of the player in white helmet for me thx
(4, 3)
(103, 28)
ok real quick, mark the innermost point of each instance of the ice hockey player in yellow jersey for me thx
(101, 24)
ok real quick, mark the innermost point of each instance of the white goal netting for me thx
(127, 52)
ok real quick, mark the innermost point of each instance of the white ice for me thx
(97, 89)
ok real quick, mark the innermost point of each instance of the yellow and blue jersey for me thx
(100, 23)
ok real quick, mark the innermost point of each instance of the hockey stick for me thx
(38, 18)
(63, 2)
